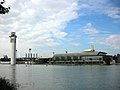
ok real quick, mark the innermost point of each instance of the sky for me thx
(61, 25)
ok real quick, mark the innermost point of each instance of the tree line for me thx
(3, 10)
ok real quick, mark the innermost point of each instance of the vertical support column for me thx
(36, 56)
(13, 47)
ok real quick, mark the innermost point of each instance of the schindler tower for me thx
(13, 47)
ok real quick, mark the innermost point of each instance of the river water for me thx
(56, 77)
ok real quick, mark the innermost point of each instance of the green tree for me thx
(6, 85)
(3, 10)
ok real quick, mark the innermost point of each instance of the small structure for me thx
(117, 58)
(13, 47)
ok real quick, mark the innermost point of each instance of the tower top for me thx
(13, 34)
(13, 37)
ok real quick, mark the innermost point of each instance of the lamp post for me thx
(30, 55)
(16, 54)
(53, 53)
(29, 50)
(66, 51)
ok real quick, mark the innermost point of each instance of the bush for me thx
(6, 85)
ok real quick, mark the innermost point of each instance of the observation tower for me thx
(13, 48)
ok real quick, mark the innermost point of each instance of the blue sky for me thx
(60, 25)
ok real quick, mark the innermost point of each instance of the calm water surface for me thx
(55, 77)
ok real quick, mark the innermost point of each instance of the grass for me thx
(5, 84)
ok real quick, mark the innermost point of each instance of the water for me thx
(55, 77)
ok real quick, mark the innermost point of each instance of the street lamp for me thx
(66, 51)
(16, 53)
(29, 50)
(30, 55)
(53, 53)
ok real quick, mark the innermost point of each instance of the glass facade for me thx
(62, 58)
(75, 57)
(92, 57)
(69, 58)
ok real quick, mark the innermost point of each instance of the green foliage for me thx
(6, 85)
(3, 10)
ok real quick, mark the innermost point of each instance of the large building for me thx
(89, 56)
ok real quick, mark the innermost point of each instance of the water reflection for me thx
(13, 74)
(40, 77)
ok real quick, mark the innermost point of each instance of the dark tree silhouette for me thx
(5, 84)
(3, 10)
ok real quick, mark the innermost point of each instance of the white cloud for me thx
(4, 46)
(37, 22)
(112, 41)
(105, 7)
(75, 44)
(89, 29)
(113, 12)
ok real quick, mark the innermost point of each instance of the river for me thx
(61, 77)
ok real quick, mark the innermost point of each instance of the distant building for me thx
(89, 56)
(5, 56)
(118, 58)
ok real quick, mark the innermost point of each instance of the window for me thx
(90, 58)
(68, 58)
(62, 58)
(57, 58)
(75, 58)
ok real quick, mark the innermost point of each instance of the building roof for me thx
(68, 54)
(84, 53)
(89, 53)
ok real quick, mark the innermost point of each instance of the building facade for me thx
(85, 57)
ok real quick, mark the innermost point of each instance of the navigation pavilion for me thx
(89, 56)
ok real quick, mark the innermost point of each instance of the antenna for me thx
(92, 48)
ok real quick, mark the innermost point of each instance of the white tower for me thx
(13, 47)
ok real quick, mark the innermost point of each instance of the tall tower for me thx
(13, 47)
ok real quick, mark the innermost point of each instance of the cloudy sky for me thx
(48, 26)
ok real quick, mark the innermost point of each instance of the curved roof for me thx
(89, 53)
(68, 54)
(89, 50)
(84, 53)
